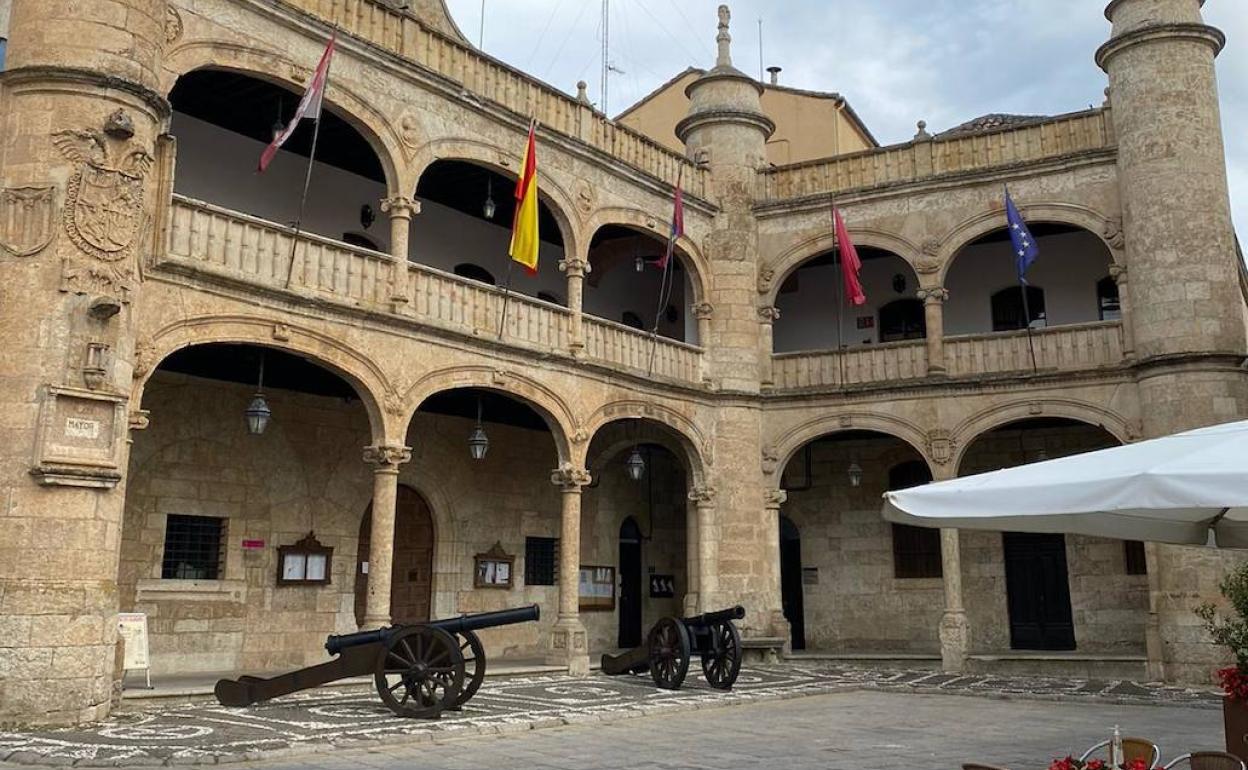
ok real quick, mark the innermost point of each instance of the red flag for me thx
(309, 105)
(525, 238)
(851, 265)
(678, 224)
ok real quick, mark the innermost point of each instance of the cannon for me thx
(671, 643)
(419, 670)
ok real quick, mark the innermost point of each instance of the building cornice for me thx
(1199, 33)
(23, 76)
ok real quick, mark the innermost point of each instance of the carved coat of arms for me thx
(104, 201)
(27, 219)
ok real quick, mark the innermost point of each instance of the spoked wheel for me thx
(420, 672)
(473, 652)
(721, 662)
(669, 653)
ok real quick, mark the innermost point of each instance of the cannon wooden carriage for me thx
(419, 670)
(672, 642)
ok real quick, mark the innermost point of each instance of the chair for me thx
(974, 766)
(1208, 760)
(1132, 748)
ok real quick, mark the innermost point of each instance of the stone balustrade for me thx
(918, 160)
(478, 74)
(855, 366)
(633, 349)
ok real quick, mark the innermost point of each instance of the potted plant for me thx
(1232, 633)
(1070, 763)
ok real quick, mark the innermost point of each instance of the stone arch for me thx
(541, 398)
(787, 263)
(777, 455)
(1107, 230)
(551, 190)
(995, 417)
(261, 64)
(365, 376)
(657, 226)
(695, 448)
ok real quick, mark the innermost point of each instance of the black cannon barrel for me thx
(735, 613)
(335, 644)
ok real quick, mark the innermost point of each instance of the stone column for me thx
(576, 269)
(1118, 272)
(401, 211)
(934, 313)
(387, 458)
(569, 644)
(703, 552)
(773, 500)
(703, 311)
(767, 317)
(954, 629)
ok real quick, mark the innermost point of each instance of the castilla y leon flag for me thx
(524, 229)
(309, 105)
(851, 265)
(678, 224)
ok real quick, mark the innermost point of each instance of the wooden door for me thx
(630, 584)
(1038, 592)
(791, 598)
(411, 580)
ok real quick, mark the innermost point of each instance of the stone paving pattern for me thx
(308, 723)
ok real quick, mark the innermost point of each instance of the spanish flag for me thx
(524, 230)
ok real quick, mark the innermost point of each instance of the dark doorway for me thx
(791, 581)
(630, 584)
(411, 581)
(1038, 592)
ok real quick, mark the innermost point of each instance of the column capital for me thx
(1118, 272)
(387, 457)
(774, 498)
(575, 267)
(769, 314)
(935, 295)
(703, 311)
(570, 478)
(400, 206)
(703, 496)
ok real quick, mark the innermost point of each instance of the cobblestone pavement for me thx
(307, 723)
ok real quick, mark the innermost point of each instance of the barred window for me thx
(193, 547)
(1137, 562)
(541, 561)
(916, 550)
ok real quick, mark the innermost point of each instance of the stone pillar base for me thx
(569, 646)
(691, 604)
(953, 641)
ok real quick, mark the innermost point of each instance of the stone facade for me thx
(108, 273)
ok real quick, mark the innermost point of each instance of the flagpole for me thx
(840, 296)
(664, 288)
(511, 260)
(1031, 344)
(307, 177)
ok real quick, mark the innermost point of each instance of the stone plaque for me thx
(80, 435)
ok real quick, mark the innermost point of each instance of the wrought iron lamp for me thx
(855, 474)
(489, 208)
(258, 412)
(635, 465)
(478, 442)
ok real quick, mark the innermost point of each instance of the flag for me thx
(851, 265)
(524, 229)
(678, 225)
(1025, 248)
(309, 105)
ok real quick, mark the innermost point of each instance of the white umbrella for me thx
(1170, 490)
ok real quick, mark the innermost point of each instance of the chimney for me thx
(775, 74)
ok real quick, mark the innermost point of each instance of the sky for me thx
(896, 61)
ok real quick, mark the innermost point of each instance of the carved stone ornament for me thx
(281, 332)
(387, 455)
(393, 404)
(409, 129)
(586, 198)
(104, 201)
(703, 311)
(400, 207)
(568, 476)
(173, 24)
(98, 279)
(936, 295)
(766, 277)
(140, 419)
(771, 460)
(27, 219)
(575, 266)
(1113, 233)
(702, 496)
(774, 498)
(769, 315)
(1119, 273)
(941, 446)
(144, 359)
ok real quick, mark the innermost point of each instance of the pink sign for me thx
(252, 545)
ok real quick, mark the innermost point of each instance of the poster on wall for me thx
(597, 589)
(662, 586)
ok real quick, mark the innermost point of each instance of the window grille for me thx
(541, 561)
(193, 547)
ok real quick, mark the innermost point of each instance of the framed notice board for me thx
(597, 589)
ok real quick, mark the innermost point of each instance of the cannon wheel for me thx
(721, 661)
(420, 672)
(473, 652)
(669, 653)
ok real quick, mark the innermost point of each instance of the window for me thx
(633, 320)
(1136, 561)
(916, 550)
(902, 319)
(1107, 301)
(546, 296)
(475, 273)
(192, 547)
(541, 561)
(360, 240)
(1007, 309)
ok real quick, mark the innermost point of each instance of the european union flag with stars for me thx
(1025, 248)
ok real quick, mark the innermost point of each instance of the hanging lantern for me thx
(258, 412)
(489, 208)
(478, 442)
(635, 465)
(855, 474)
(639, 264)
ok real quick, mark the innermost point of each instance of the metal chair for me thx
(1208, 760)
(1132, 748)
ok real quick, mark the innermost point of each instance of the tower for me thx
(1181, 257)
(77, 200)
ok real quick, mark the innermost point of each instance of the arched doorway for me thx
(411, 584)
(627, 283)
(630, 584)
(791, 599)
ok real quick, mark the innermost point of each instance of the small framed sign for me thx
(305, 563)
(597, 589)
(493, 569)
(662, 587)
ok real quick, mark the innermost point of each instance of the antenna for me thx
(760, 49)
(606, 50)
(481, 34)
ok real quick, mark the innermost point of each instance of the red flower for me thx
(1063, 764)
(1135, 764)
(1234, 683)
(1095, 764)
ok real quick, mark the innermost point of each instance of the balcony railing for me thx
(207, 239)
(1061, 136)
(404, 35)
(1062, 348)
